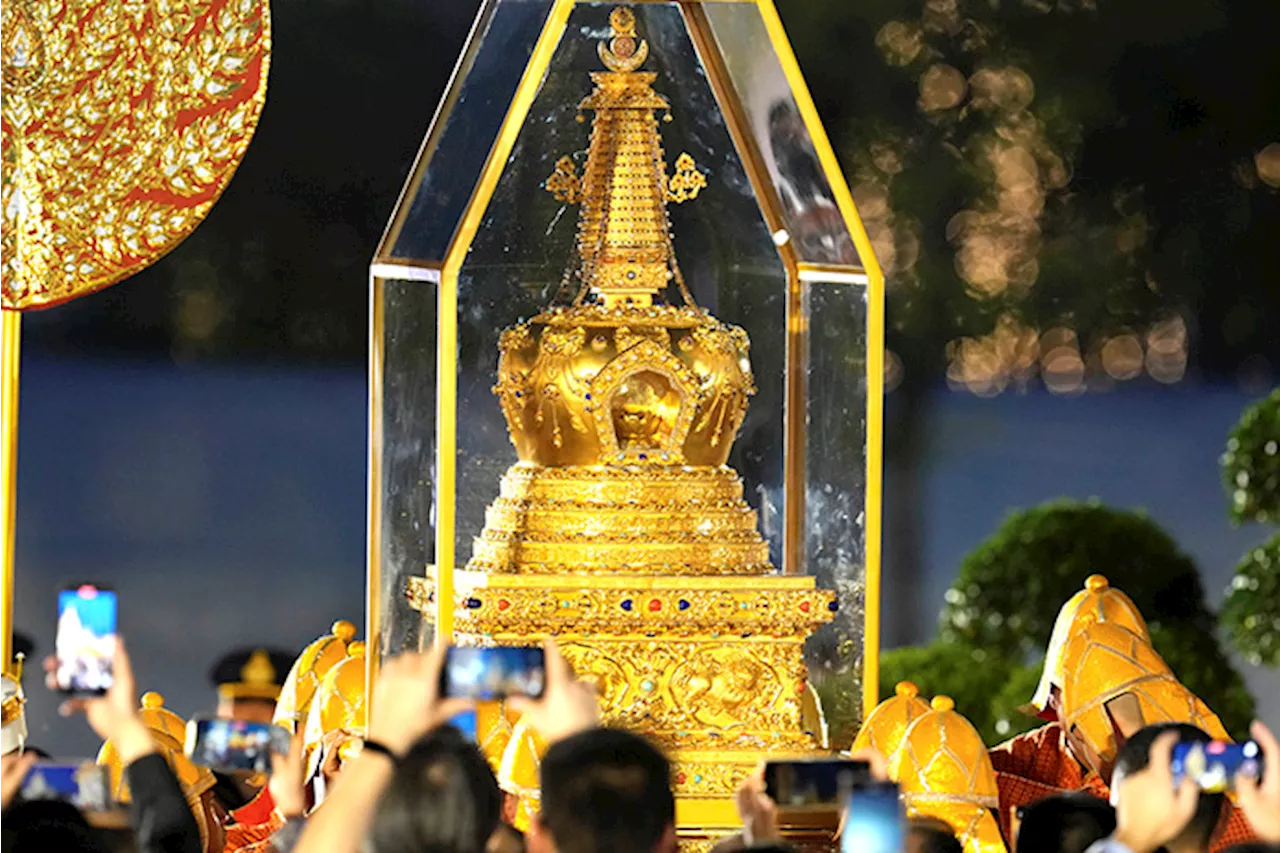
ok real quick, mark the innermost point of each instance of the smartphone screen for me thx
(1214, 766)
(873, 821)
(83, 784)
(234, 745)
(492, 673)
(814, 782)
(86, 639)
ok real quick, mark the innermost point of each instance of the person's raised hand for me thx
(407, 702)
(875, 759)
(13, 769)
(758, 812)
(287, 785)
(567, 706)
(1259, 799)
(1150, 809)
(114, 716)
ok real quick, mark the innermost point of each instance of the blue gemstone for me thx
(588, 396)
(626, 604)
(518, 394)
(682, 604)
(473, 603)
(643, 456)
(833, 606)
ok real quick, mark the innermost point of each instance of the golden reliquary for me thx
(673, 465)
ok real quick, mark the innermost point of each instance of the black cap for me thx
(252, 673)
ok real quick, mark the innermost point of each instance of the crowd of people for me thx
(417, 784)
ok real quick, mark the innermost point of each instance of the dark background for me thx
(195, 436)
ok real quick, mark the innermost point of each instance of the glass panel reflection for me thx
(407, 487)
(817, 229)
(836, 471)
(504, 40)
(525, 243)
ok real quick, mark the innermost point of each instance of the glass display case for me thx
(636, 202)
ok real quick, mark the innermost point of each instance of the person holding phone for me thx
(160, 815)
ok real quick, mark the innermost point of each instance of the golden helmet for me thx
(1105, 661)
(168, 730)
(885, 726)
(339, 703)
(304, 676)
(1097, 602)
(518, 774)
(943, 771)
(494, 727)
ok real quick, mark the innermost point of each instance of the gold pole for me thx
(10, 362)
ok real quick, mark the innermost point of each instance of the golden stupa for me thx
(621, 529)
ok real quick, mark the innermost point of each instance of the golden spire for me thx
(624, 235)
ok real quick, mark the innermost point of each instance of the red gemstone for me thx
(503, 604)
(680, 777)
(655, 605)
(804, 605)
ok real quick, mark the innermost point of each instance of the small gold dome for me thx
(942, 753)
(494, 727)
(943, 771)
(1097, 602)
(339, 702)
(519, 772)
(1104, 661)
(304, 676)
(885, 726)
(169, 731)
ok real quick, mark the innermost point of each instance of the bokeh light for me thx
(941, 88)
(1267, 162)
(900, 42)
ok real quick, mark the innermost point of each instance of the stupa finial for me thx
(624, 234)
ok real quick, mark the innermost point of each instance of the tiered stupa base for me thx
(704, 656)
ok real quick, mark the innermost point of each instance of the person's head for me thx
(39, 825)
(931, 835)
(248, 682)
(443, 796)
(604, 791)
(1064, 823)
(1134, 757)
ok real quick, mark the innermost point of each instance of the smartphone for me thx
(493, 673)
(86, 639)
(874, 821)
(83, 784)
(1214, 766)
(234, 745)
(814, 782)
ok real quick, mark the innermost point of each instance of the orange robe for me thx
(252, 825)
(1039, 764)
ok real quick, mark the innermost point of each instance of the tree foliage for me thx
(1251, 463)
(1251, 610)
(1011, 587)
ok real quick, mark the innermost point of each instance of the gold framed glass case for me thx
(626, 379)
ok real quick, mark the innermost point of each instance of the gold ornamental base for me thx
(710, 668)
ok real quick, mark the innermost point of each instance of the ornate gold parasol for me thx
(121, 125)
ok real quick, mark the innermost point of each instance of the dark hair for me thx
(606, 791)
(38, 825)
(932, 835)
(1134, 756)
(442, 797)
(1064, 823)
(1253, 847)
